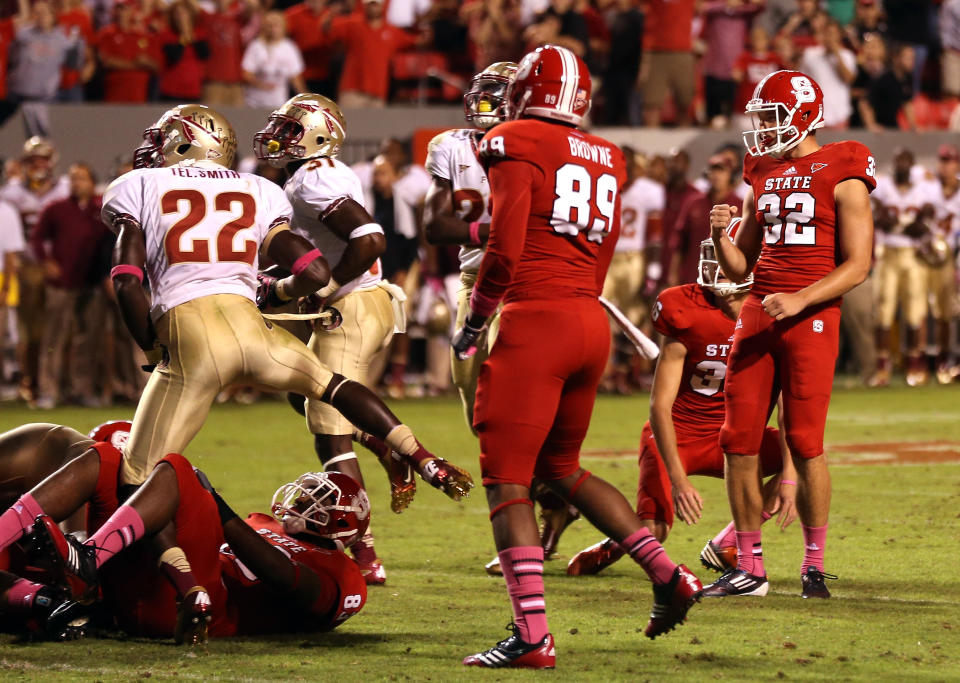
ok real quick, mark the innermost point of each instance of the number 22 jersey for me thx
(203, 225)
(796, 207)
(559, 236)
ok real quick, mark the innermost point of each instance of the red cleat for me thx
(718, 559)
(672, 600)
(514, 653)
(595, 559)
(193, 617)
(373, 573)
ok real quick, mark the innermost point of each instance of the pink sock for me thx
(522, 568)
(750, 553)
(123, 528)
(814, 541)
(21, 594)
(646, 551)
(18, 519)
(727, 538)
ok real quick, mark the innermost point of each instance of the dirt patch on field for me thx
(888, 453)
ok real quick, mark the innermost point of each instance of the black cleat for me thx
(68, 621)
(516, 653)
(74, 564)
(814, 585)
(737, 582)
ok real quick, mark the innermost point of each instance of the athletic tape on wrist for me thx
(125, 269)
(301, 263)
(328, 289)
(365, 229)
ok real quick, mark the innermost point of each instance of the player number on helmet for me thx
(578, 199)
(796, 227)
(708, 379)
(352, 601)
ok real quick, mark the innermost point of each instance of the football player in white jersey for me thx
(304, 135)
(30, 195)
(198, 229)
(902, 205)
(642, 202)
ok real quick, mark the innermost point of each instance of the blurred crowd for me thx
(881, 63)
(62, 341)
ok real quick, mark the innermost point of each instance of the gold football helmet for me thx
(38, 159)
(187, 132)
(485, 104)
(307, 126)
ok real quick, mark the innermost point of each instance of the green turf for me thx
(893, 540)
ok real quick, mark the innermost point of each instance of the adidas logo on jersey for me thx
(791, 171)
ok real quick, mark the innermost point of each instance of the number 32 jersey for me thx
(571, 213)
(795, 205)
(685, 313)
(203, 225)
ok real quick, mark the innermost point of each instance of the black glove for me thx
(464, 342)
(267, 292)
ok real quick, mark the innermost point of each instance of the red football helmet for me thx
(711, 276)
(330, 505)
(114, 432)
(551, 82)
(786, 106)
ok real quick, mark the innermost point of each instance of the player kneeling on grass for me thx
(252, 577)
(686, 413)
(555, 196)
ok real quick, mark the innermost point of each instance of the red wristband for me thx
(301, 263)
(125, 269)
(475, 233)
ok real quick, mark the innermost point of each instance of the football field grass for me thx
(893, 541)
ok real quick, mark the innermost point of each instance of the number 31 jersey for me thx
(452, 156)
(203, 225)
(795, 205)
(574, 206)
(685, 313)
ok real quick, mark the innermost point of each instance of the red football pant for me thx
(702, 456)
(536, 391)
(797, 356)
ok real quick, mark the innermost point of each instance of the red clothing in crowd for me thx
(69, 235)
(754, 68)
(132, 84)
(305, 29)
(6, 38)
(184, 66)
(676, 200)
(226, 47)
(667, 27)
(692, 227)
(366, 65)
(75, 20)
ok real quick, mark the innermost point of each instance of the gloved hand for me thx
(464, 341)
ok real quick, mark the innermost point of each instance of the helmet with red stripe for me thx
(551, 82)
(786, 107)
(711, 276)
(114, 432)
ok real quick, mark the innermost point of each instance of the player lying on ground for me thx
(808, 229)
(686, 413)
(555, 220)
(255, 577)
(198, 229)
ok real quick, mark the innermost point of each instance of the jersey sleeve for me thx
(857, 162)
(509, 140)
(668, 313)
(438, 156)
(123, 197)
(325, 187)
(749, 168)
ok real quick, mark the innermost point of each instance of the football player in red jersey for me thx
(555, 195)
(808, 229)
(263, 576)
(686, 413)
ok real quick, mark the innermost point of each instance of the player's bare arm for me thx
(310, 271)
(737, 257)
(666, 383)
(129, 261)
(349, 221)
(440, 223)
(855, 238)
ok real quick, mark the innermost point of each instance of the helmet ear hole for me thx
(184, 148)
(321, 139)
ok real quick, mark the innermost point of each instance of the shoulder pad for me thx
(671, 312)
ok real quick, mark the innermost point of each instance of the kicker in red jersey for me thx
(795, 204)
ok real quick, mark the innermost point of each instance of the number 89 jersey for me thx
(795, 206)
(203, 225)
(686, 314)
(452, 156)
(574, 205)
